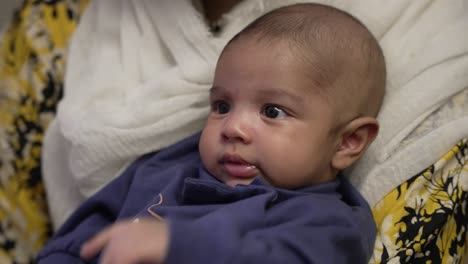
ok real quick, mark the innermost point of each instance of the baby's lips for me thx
(233, 158)
(240, 170)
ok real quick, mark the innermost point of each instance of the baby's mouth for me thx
(235, 166)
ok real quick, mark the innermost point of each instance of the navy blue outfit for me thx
(210, 222)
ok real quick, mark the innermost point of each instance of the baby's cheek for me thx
(205, 151)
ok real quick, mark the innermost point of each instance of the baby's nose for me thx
(238, 127)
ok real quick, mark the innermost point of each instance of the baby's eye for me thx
(221, 107)
(272, 111)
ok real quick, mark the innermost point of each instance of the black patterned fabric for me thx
(32, 60)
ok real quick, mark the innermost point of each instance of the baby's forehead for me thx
(321, 58)
(307, 64)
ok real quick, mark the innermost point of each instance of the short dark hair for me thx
(336, 38)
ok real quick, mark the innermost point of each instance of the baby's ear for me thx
(354, 140)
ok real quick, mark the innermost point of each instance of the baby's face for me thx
(266, 120)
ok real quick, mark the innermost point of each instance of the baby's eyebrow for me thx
(219, 91)
(281, 93)
(267, 94)
(214, 90)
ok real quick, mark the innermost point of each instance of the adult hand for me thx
(143, 241)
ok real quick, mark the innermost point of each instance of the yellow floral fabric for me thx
(32, 60)
(425, 219)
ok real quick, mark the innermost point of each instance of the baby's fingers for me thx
(93, 246)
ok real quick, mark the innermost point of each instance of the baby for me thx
(294, 101)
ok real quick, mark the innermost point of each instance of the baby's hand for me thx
(129, 242)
